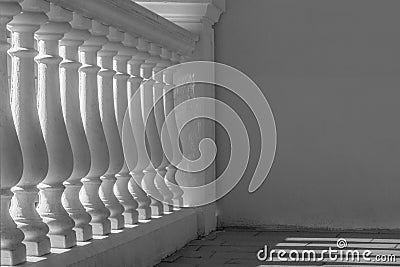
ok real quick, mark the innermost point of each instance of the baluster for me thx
(146, 92)
(69, 85)
(54, 130)
(136, 121)
(108, 119)
(160, 119)
(27, 124)
(173, 134)
(121, 190)
(89, 101)
(12, 249)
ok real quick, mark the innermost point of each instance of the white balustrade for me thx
(69, 85)
(54, 131)
(136, 121)
(26, 119)
(108, 119)
(89, 100)
(121, 190)
(12, 250)
(64, 98)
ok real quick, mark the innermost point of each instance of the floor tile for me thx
(235, 247)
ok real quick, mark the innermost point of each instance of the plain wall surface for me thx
(331, 73)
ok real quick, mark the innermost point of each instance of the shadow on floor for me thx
(239, 247)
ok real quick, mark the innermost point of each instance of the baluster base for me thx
(72, 204)
(83, 233)
(145, 213)
(157, 208)
(102, 228)
(117, 223)
(67, 240)
(140, 196)
(160, 183)
(100, 223)
(12, 250)
(121, 190)
(168, 207)
(56, 217)
(111, 202)
(172, 184)
(177, 203)
(37, 248)
(148, 184)
(29, 222)
(131, 217)
(13, 257)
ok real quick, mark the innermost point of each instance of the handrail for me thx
(132, 18)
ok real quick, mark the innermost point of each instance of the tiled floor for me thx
(236, 247)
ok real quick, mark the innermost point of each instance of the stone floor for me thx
(238, 247)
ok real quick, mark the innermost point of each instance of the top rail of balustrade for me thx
(132, 18)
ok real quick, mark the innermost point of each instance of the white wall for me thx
(331, 73)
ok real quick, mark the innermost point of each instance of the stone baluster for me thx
(108, 119)
(160, 119)
(27, 124)
(89, 101)
(136, 121)
(12, 249)
(54, 131)
(121, 76)
(172, 128)
(69, 85)
(146, 93)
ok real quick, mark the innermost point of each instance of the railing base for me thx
(144, 244)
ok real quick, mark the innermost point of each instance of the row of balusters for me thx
(63, 166)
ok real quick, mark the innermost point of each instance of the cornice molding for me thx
(135, 19)
(186, 11)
